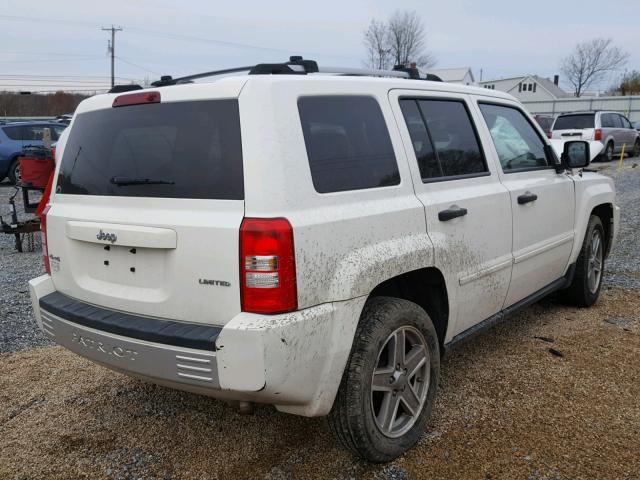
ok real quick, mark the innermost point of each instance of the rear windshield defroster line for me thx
(170, 150)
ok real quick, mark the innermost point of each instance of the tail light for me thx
(549, 134)
(597, 135)
(267, 266)
(45, 249)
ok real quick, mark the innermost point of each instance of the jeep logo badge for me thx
(109, 237)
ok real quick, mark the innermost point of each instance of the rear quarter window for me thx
(14, 133)
(193, 148)
(347, 142)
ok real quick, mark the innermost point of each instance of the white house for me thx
(454, 75)
(527, 88)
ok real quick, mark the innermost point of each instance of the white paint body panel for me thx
(346, 243)
(474, 251)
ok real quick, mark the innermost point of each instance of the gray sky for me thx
(503, 37)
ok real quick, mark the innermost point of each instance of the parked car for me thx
(322, 261)
(64, 118)
(18, 135)
(611, 128)
(545, 122)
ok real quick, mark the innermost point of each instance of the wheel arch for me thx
(425, 287)
(604, 211)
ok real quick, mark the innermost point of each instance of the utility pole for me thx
(112, 48)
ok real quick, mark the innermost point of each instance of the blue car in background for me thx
(15, 136)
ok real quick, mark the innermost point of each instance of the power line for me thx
(54, 60)
(136, 65)
(38, 76)
(174, 36)
(49, 54)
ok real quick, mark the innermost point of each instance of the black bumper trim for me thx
(169, 332)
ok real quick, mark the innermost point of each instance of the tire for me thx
(583, 292)
(356, 418)
(636, 148)
(608, 152)
(14, 172)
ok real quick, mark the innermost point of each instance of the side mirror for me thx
(576, 154)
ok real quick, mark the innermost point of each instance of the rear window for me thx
(570, 122)
(182, 150)
(348, 143)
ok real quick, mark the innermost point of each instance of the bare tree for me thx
(400, 41)
(590, 62)
(376, 40)
(407, 39)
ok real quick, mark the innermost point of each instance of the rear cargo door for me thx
(147, 210)
(579, 126)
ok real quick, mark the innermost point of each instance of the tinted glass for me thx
(57, 130)
(569, 122)
(422, 146)
(34, 133)
(14, 133)
(518, 144)
(605, 120)
(347, 143)
(194, 146)
(544, 122)
(452, 137)
(625, 122)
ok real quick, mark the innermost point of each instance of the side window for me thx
(608, 120)
(14, 133)
(34, 133)
(624, 122)
(518, 144)
(347, 143)
(617, 121)
(58, 129)
(422, 146)
(443, 137)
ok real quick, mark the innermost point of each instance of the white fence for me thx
(629, 106)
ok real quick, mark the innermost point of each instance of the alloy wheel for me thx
(594, 265)
(400, 381)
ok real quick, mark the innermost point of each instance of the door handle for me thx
(452, 212)
(527, 197)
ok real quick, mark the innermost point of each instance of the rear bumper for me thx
(294, 361)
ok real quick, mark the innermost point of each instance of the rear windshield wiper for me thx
(124, 181)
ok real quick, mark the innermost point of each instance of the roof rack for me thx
(299, 66)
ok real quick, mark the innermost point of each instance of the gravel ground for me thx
(623, 266)
(507, 407)
(17, 330)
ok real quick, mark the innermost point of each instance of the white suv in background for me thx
(612, 129)
(312, 241)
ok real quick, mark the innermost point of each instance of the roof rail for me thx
(124, 88)
(299, 66)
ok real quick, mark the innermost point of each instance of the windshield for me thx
(171, 150)
(570, 122)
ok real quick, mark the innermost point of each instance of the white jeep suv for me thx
(313, 241)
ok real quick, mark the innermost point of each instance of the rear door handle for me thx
(527, 197)
(452, 212)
